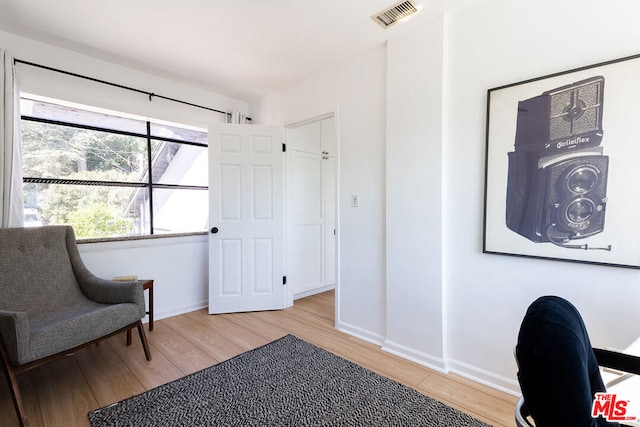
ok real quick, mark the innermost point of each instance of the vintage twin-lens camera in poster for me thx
(562, 151)
(557, 176)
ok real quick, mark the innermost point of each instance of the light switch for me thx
(355, 200)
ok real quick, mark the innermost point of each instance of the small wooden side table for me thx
(146, 285)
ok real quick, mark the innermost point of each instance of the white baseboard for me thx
(481, 376)
(175, 311)
(360, 333)
(498, 382)
(314, 291)
(421, 358)
(393, 348)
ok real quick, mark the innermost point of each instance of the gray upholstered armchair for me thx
(51, 305)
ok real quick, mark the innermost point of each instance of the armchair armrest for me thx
(101, 290)
(111, 292)
(14, 332)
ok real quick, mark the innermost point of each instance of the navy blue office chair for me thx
(558, 370)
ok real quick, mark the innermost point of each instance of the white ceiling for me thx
(241, 48)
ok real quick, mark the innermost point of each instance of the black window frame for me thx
(148, 184)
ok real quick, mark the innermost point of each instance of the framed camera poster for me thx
(562, 173)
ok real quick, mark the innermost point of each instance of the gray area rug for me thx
(288, 382)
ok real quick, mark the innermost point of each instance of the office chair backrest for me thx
(558, 370)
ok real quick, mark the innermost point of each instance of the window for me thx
(109, 175)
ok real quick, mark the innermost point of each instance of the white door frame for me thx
(335, 114)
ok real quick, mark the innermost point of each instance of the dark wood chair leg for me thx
(143, 339)
(13, 385)
(146, 285)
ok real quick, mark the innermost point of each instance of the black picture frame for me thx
(562, 151)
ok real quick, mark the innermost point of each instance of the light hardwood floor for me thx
(62, 392)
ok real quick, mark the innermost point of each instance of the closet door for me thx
(306, 231)
(311, 207)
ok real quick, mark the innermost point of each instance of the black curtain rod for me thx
(151, 95)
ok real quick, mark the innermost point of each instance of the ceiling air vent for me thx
(395, 13)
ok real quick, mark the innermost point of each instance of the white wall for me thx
(178, 265)
(441, 301)
(499, 42)
(56, 85)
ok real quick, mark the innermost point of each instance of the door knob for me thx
(214, 230)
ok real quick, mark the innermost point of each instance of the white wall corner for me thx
(415, 313)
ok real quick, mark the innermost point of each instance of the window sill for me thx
(133, 238)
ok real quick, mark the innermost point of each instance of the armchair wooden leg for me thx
(13, 386)
(143, 339)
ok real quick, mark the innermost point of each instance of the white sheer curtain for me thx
(11, 203)
(236, 117)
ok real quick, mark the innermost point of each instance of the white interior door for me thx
(246, 218)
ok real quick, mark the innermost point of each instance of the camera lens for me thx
(580, 210)
(582, 179)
